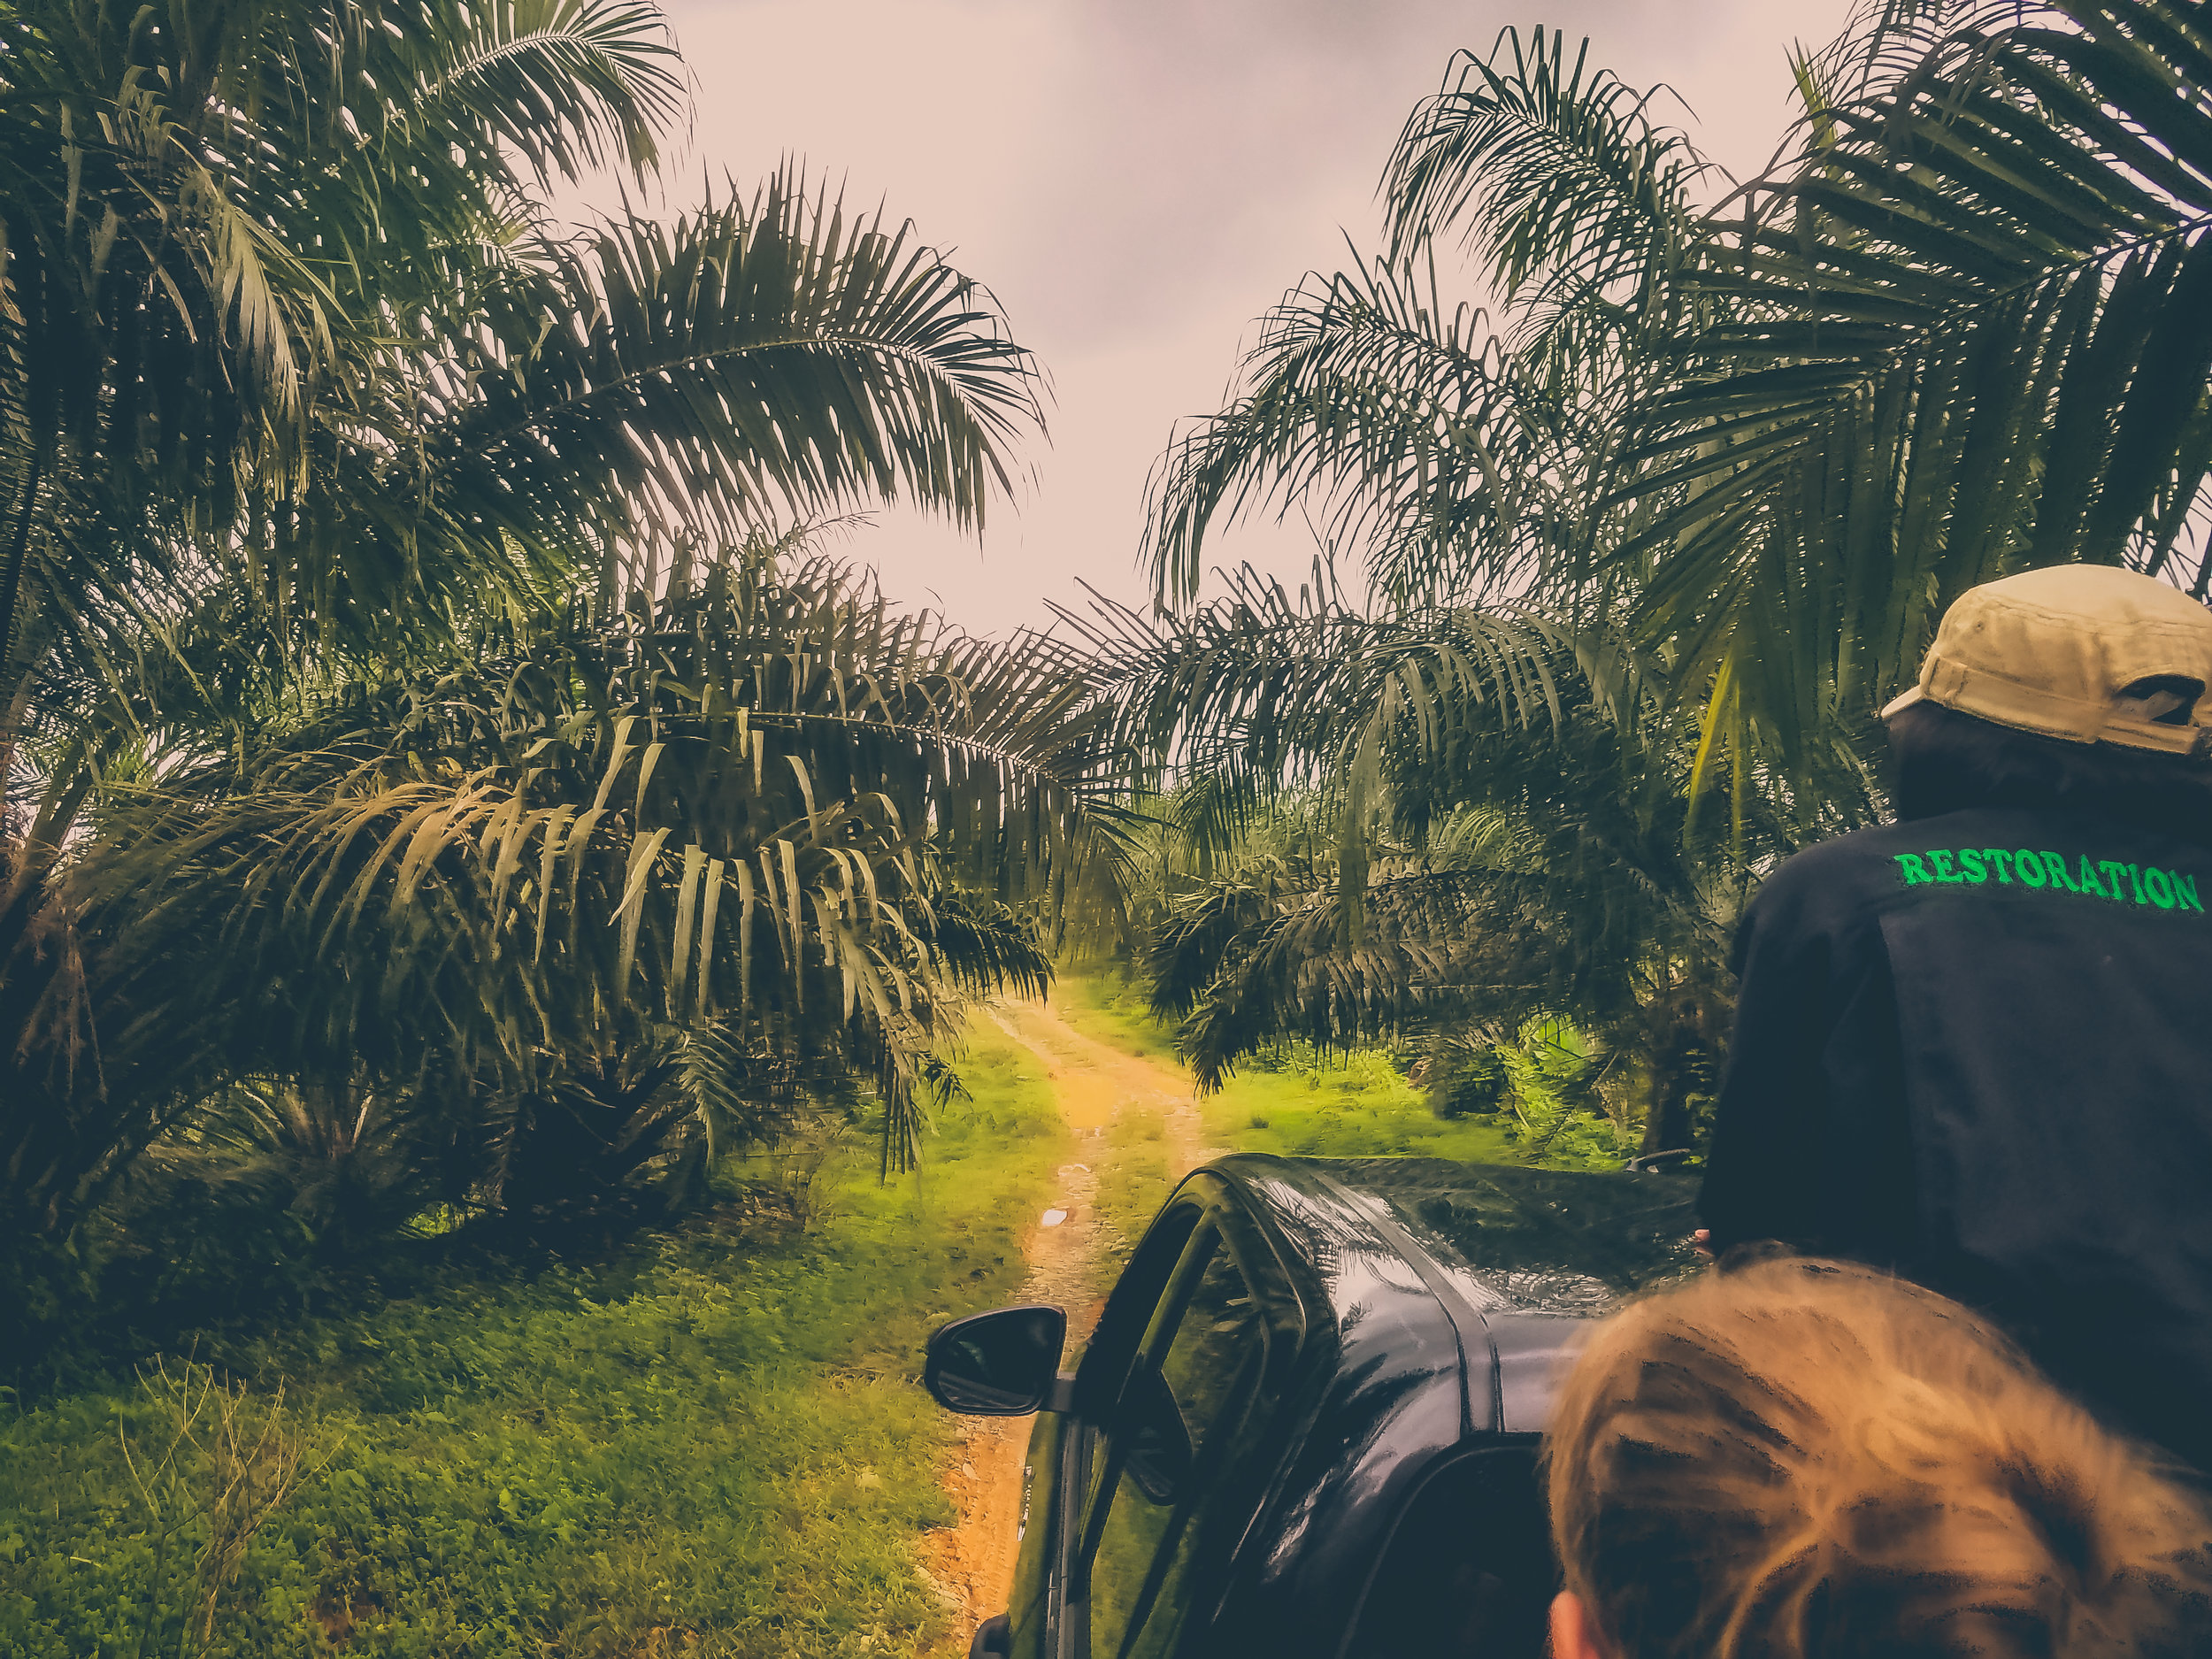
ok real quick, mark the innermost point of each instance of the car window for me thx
(1467, 1571)
(1164, 1450)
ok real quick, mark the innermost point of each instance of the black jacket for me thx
(1975, 1048)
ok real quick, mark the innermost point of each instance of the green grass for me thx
(1132, 1181)
(712, 1446)
(1347, 1106)
(1112, 1008)
(1133, 1165)
(1342, 1106)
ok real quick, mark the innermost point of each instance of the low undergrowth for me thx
(1111, 1008)
(711, 1444)
(1344, 1106)
(1297, 1101)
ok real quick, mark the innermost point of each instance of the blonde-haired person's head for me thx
(1809, 1460)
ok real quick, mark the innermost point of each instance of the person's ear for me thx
(1573, 1635)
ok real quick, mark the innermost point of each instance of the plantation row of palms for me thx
(443, 770)
(1644, 553)
(439, 770)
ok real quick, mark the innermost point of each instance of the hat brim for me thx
(2168, 740)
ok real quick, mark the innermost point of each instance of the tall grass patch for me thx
(1134, 1181)
(1113, 1008)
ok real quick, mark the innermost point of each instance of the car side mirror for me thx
(998, 1365)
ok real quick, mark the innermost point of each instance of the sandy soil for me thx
(972, 1564)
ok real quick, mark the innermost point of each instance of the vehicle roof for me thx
(1572, 1242)
(1447, 1295)
(1512, 1237)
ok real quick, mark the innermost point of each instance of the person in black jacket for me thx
(1972, 1045)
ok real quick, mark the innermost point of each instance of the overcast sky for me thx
(1138, 183)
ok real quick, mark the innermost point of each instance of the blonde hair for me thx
(1809, 1459)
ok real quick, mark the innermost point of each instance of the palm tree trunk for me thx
(1682, 1062)
(12, 574)
(10, 591)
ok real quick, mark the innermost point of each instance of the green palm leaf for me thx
(1970, 332)
(746, 362)
(1400, 417)
(1553, 179)
(768, 803)
(1456, 463)
(566, 84)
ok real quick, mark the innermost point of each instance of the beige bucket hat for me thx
(2054, 651)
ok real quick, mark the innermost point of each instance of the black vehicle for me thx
(1307, 1423)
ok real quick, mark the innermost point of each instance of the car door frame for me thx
(1156, 1267)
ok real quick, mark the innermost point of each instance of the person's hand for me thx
(1701, 1242)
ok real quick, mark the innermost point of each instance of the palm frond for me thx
(1971, 333)
(566, 84)
(1553, 180)
(1284, 690)
(237, 257)
(1396, 414)
(746, 362)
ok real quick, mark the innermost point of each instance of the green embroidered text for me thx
(2102, 877)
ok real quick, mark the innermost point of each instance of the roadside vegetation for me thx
(1638, 489)
(708, 1442)
(487, 894)
(1533, 1102)
(448, 784)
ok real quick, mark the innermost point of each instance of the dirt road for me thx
(1097, 1087)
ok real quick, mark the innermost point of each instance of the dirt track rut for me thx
(1095, 1086)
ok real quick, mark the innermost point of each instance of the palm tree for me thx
(1959, 329)
(306, 410)
(1967, 331)
(1492, 827)
(1454, 457)
(1509, 797)
(283, 318)
(225, 229)
(611, 887)
(1751, 449)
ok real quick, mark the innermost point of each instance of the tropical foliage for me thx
(406, 817)
(708, 1441)
(1968, 332)
(283, 302)
(601, 895)
(1498, 831)
(1682, 517)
